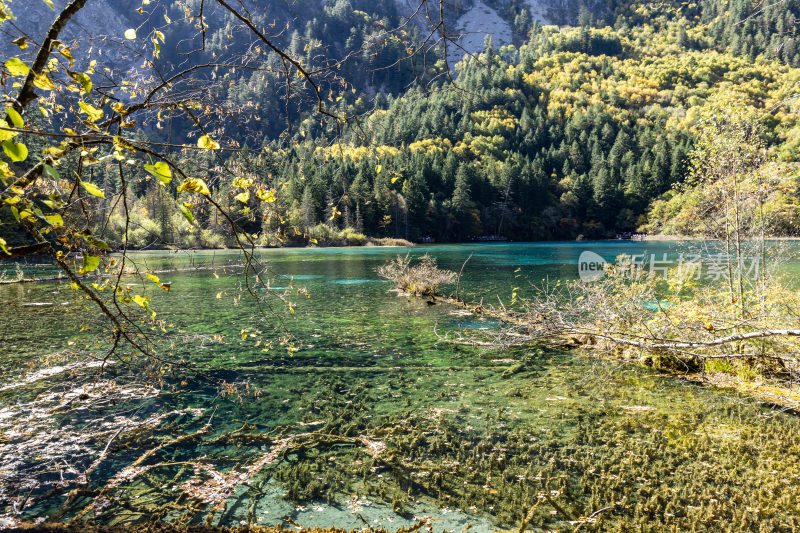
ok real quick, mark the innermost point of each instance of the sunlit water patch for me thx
(475, 323)
(355, 281)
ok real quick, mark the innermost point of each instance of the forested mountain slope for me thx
(572, 131)
(574, 134)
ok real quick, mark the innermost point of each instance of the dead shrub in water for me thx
(421, 279)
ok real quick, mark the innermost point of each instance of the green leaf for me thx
(186, 213)
(207, 143)
(54, 202)
(94, 113)
(5, 172)
(266, 196)
(90, 263)
(84, 80)
(54, 219)
(67, 53)
(195, 185)
(92, 189)
(16, 67)
(141, 301)
(15, 151)
(6, 135)
(3, 245)
(161, 171)
(97, 243)
(44, 83)
(15, 117)
(22, 42)
(50, 172)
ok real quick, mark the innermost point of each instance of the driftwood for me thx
(524, 327)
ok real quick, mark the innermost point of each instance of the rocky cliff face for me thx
(100, 20)
(100, 26)
(472, 21)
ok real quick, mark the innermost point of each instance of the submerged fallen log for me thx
(180, 528)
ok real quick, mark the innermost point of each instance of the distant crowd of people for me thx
(630, 236)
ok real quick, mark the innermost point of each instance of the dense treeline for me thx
(741, 27)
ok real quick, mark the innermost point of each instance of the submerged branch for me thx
(662, 344)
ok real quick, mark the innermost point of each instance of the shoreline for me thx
(682, 238)
(390, 242)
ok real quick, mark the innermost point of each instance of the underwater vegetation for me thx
(648, 469)
(611, 452)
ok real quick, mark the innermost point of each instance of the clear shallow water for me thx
(452, 437)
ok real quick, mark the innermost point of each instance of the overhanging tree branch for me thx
(22, 251)
(27, 93)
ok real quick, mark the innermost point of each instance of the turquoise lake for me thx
(376, 419)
